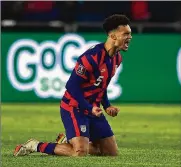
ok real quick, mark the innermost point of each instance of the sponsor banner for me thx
(36, 66)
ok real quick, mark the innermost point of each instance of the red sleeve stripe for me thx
(67, 95)
(83, 76)
(91, 92)
(86, 85)
(86, 64)
(102, 56)
(99, 98)
(72, 102)
(91, 83)
(95, 58)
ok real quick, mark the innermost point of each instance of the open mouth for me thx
(126, 44)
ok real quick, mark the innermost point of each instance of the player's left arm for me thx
(110, 110)
(105, 101)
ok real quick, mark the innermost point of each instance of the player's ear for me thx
(112, 35)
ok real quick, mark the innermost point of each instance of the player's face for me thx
(123, 37)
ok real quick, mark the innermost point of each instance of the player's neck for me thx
(110, 48)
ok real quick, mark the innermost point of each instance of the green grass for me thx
(147, 135)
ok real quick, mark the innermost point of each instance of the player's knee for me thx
(81, 152)
(80, 146)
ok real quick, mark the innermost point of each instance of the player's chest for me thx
(105, 72)
(108, 67)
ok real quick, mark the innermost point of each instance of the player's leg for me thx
(78, 146)
(93, 148)
(102, 136)
(76, 126)
(77, 132)
(34, 145)
(108, 146)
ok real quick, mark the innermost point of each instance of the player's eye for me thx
(128, 33)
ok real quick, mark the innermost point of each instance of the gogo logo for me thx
(45, 67)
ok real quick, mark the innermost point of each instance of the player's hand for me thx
(112, 111)
(97, 111)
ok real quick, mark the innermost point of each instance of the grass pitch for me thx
(147, 135)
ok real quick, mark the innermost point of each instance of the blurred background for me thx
(41, 41)
(146, 16)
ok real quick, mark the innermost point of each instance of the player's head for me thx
(118, 30)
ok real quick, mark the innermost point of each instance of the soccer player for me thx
(87, 130)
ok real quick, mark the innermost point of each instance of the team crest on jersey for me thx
(83, 128)
(81, 69)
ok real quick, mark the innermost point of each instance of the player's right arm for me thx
(79, 75)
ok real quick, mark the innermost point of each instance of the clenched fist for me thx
(97, 111)
(112, 111)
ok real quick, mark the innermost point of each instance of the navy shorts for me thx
(78, 124)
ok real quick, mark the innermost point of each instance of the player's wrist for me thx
(107, 106)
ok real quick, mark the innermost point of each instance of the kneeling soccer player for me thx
(87, 130)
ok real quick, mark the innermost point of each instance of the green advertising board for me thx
(36, 66)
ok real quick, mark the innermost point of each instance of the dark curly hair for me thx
(113, 21)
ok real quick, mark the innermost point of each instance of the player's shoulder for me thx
(87, 58)
(93, 50)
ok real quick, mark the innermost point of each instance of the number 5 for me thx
(99, 80)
